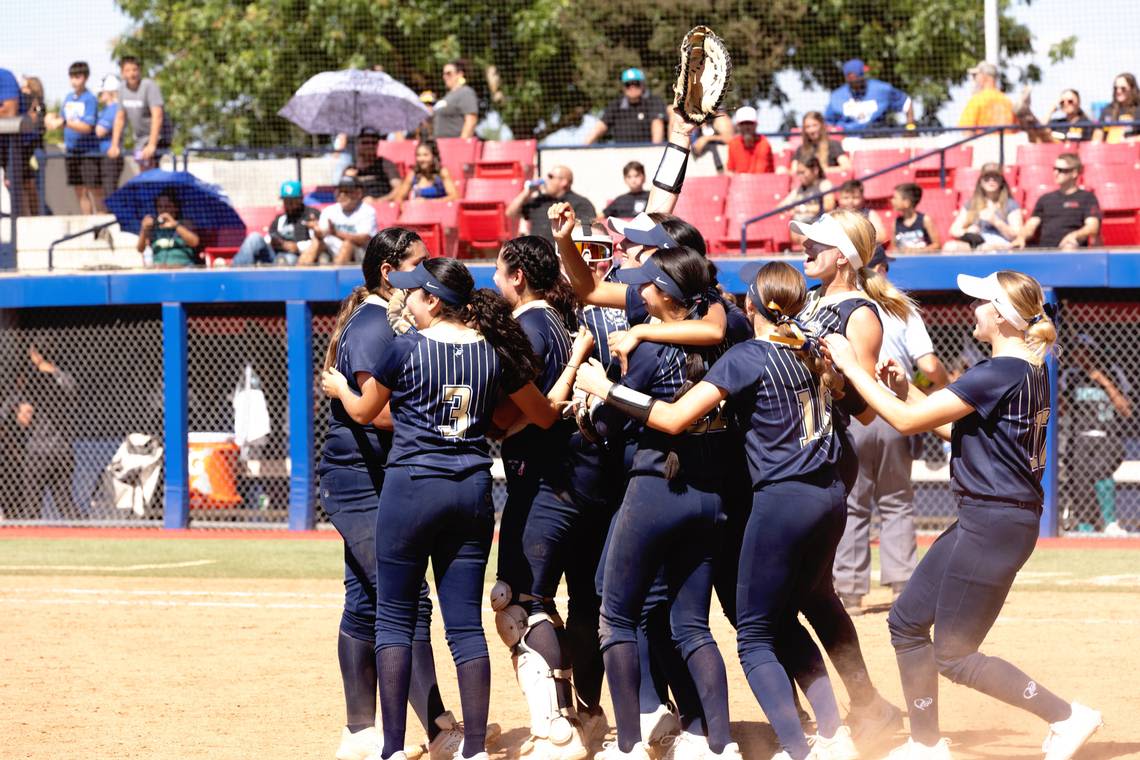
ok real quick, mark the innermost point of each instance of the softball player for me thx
(837, 249)
(995, 416)
(669, 515)
(351, 474)
(443, 381)
(539, 517)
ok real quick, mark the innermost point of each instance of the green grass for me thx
(1049, 569)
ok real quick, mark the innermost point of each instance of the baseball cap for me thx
(369, 132)
(880, 257)
(827, 231)
(632, 75)
(744, 114)
(291, 189)
(988, 288)
(110, 83)
(642, 230)
(420, 277)
(985, 67)
(854, 66)
(650, 272)
(349, 182)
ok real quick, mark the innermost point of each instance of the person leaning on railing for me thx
(1068, 217)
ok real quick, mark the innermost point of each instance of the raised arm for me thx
(680, 132)
(589, 289)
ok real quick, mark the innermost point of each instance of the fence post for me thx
(176, 500)
(299, 338)
(1049, 480)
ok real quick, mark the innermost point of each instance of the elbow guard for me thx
(670, 174)
(628, 401)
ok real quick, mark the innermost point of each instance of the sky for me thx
(42, 39)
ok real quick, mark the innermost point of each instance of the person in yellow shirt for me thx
(988, 106)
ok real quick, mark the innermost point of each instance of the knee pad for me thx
(511, 623)
(500, 595)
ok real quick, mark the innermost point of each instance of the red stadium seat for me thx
(1041, 154)
(702, 197)
(398, 151)
(258, 218)
(1104, 154)
(1122, 196)
(1121, 229)
(459, 154)
(867, 161)
(525, 152)
(939, 202)
(499, 169)
(483, 225)
(877, 190)
(485, 189)
(712, 229)
(1035, 174)
(221, 244)
(962, 155)
(888, 216)
(770, 234)
(420, 211)
(783, 159)
(757, 188)
(432, 235)
(1111, 174)
(714, 184)
(387, 213)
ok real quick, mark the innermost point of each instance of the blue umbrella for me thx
(204, 206)
(349, 100)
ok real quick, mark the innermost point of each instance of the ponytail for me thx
(347, 307)
(883, 292)
(490, 314)
(1026, 296)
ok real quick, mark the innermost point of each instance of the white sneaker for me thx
(731, 751)
(449, 740)
(1067, 736)
(595, 726)
(838, 747)
(359, 745)
(686, 746)
(1114, 530)
(655, 726)
(912, 750)
(543, 748)
(870, 721)
(610, 751)
(785, 756)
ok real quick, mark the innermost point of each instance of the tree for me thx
(226, 66)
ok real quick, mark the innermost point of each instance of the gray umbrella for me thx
(349, 100)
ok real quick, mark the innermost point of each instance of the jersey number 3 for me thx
(457, 402)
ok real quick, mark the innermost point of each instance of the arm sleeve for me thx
(368, 219)
(1038, 209)
(364, 351)
(153, 94)
(90, 110)
(983, 386)
(736, 370)
(1093, 208)
(469, 102)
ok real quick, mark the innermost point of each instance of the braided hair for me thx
(539, 264)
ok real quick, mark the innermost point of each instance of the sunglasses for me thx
(1118, 88)
(1064, 169)
(627, 85)
(1068, 102)
(993, 178)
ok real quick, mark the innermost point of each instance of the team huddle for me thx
(660, 444)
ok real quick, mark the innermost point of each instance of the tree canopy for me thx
(227, 67)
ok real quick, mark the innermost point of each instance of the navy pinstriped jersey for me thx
(788, 431)
(602, 321)
(825, 317)
(363, 341)
(549, 339)
(998, 450)
(443, 394)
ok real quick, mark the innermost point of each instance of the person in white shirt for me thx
(343, 229)
(885, 459)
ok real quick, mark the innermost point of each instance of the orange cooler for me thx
(213, 470)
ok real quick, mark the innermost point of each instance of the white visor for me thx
(642, 230)
(989, 289)
(827, 231)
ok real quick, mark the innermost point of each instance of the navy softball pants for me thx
(959, 588)
(785, 562)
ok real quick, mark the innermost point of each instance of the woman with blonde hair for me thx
(995, 416)
(818, 143)
(837, 250)
(990, 220)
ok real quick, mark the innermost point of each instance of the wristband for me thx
(628, 401)
(670, 174)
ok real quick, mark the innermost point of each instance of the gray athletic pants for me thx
(884, 481)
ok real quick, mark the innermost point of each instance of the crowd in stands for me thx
(465, 195)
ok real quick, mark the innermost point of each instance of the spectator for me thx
(1067, 217)
(817, 142)
(77, 117)
(288, 235)
(457, 112)
(748, 152)
(851, 198)
(914, 230)
(112, 168)
(865, 103)
(344, 228)
(1125, 106)
(31, 140)
(375, 174)
(141, 106)
(988, 106)
(1071, 124)
(429, 179)
(172, 242)
(885, 459)
(635, 117)
(43, 412)
(9, 94)
(811, 182)
(629, 205)
(11, 106)
(538, 196)
(990, 220)
(706, 138)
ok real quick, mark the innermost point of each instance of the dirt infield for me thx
(105, 667)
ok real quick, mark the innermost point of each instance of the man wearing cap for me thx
(988, 106)
(864, 103)
(748, 152)
(538, 196)
(635, 117)
(286, 238)
(378, 176)
(104, 126)
(344, 228)
(885, 459)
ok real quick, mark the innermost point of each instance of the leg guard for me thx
(539, 683)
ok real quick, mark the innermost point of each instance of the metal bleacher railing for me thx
(180, 358)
